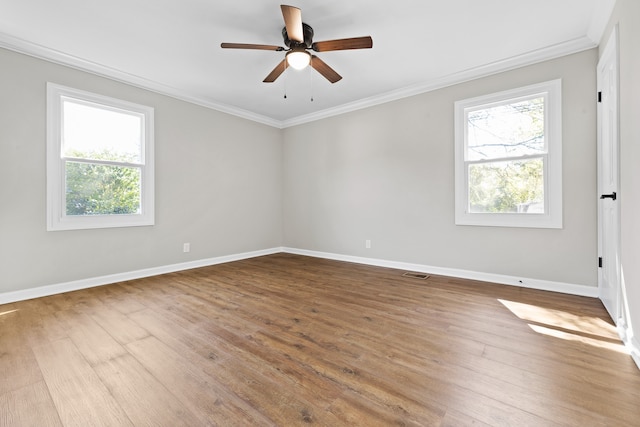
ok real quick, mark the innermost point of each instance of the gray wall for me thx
(218, 185)
(386, 174)
(627, 16)
(227, 185)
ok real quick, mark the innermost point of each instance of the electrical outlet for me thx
(367, 244)
(186, 247)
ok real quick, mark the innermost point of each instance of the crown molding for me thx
(530, 58)
(38, 51)
(540, 55)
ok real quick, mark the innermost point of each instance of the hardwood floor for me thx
(291, 340)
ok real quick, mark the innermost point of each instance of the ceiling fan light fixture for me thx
(298, 59)
(298, 39)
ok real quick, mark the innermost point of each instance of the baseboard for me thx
(634, 349)
(629, 340)
(59, 288)
(565, 288)
(75, 285)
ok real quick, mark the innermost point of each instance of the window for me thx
(508, 158)
(99, 161)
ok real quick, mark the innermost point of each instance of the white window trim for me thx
(56, 211)
(552, 218)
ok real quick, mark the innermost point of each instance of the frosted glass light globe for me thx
(298, 59)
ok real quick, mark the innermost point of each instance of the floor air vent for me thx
(420, 276)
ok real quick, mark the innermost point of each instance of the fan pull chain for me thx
(311, 74)
(285, 79)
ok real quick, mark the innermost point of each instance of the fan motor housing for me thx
(307, 32)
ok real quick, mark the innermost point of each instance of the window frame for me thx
(57, 219)
(552, 159)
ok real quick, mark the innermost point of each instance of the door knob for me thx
(609, 196)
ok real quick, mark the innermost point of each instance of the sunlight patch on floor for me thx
(567, 326)
(618, 347)
(7, 312)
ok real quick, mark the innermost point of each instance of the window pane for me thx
(508, 130)
(507, 187)
(93, 189)
(92, 132)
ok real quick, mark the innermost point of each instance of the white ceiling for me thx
(173, 46)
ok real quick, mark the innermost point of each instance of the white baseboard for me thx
(634, 349)
(565, 288)
(628, 338)
(75, 285)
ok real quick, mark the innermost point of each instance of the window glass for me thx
(515, 186)
(95, 189)
(512, 129)
(93, 131)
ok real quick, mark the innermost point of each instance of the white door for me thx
(608, 190)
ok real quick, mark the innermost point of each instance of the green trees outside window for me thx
(98, 189)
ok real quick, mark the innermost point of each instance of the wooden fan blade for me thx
(293, 22)
(344, 44)
(273, 75)
(320, 66)
(250, 46)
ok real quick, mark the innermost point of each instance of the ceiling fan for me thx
(298, 37)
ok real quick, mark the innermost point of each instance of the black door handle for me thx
(609, 196)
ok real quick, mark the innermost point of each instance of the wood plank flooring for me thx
(289, 340)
